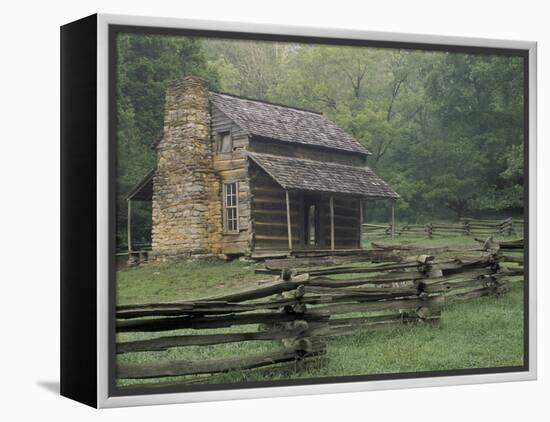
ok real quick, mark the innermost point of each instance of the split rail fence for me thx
(464, 227)
(312, 299)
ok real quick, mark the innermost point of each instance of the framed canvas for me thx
(253, 211)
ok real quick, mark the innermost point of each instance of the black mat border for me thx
(78, 210)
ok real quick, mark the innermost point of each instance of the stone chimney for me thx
(186, 191)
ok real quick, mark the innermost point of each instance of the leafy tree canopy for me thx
(445, 129)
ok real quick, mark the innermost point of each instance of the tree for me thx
(444, 129)
(144, 64)
(366, 91)
(478, 100)
(248, 68)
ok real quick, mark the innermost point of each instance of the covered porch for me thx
(306, 207)
(141, 195)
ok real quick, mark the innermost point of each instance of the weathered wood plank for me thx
(207, 322)
(230, 164)
(165, 343)
(181, 367)
(449, 286)
(384, 305)
(362, 328)
(197, 308)
(270, 238)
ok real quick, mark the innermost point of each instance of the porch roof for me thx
(143, 191)
(302, 174)
(318, 176)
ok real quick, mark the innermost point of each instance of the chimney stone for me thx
(186, 190)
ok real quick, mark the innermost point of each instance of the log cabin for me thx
(238, 176)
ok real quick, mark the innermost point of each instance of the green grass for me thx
(436, 242)
(165, 282)
(482, 333)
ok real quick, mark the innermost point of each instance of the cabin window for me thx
(225, 142)
(231, 207)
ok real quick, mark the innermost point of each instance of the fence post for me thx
(510, 227)
(492, 282)
(301, 344)
(515, 226)
(425, 268)
(467, 229)
(429, 230)
(393, 219)
(361, 221)
(129, 226)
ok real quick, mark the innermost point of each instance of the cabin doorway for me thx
(311, 221)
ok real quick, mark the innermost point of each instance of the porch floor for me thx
(304, 253)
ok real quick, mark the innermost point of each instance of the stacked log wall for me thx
(264, 146)
(232, 167)
(269, 217)
(347, 228)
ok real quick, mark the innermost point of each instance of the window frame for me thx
(226, 207)
(220, 136)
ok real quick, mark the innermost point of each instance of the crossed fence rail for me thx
(312, 299)
(464, 227)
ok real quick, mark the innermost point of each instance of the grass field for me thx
(486, 332)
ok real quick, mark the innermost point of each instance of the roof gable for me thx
(286, 124)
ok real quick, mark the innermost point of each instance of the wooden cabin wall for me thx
(269, 218)
(262, 202)
(233, 167)
(238, 243)
(304, 151)
(220, 123)
(347, 228)
(324, 222)
(269, 224)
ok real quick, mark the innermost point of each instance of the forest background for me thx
(445, 129)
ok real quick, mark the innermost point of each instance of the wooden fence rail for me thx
(464, 227)
(316, 298)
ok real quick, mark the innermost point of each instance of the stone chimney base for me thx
(187, 210)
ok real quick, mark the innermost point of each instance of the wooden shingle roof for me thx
(286, 124)
(143, 190)
(319, 176)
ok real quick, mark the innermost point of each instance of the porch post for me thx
(361, 223)
(288, 222)
(331, 223)
(393, 219)
(129, 201)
